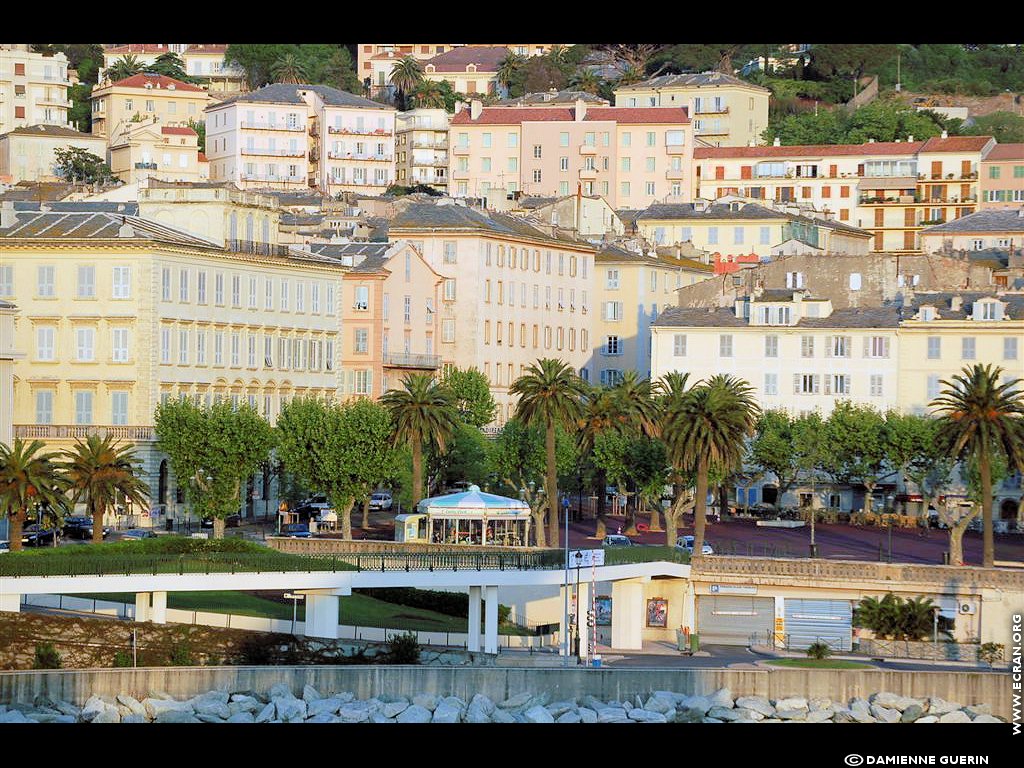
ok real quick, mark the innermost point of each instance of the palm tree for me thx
(422, 411)
(981, 419)
(101, 472)
(601, 413)
(629, 76)
(288, 69)
(124, 67)
(406, 75)
(28, 478)
(587, 80)
(708, 426)
(429, 94)
(549, 393)
(669, 392)
(508, 68)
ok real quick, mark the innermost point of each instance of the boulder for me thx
(132, 718)
(266, 714)
(309, 693)
(587, 715)
(503, 716)
(17, 716)
(290, 709)
(643, 716)
(242, 717)
(612, 715)
(722, 698)
(213, 708)
(593, 703)
(626, 706)
(324, 717)
(415, 714)
(354, 712)
(569, 717)
(955, 717)
(927, 719)
(820, 715)
(792, 703)
(791, 714)
(108, 715)
(757, 704)
(322, 706)
(425, 701)
(280, 691)
(177, 716)
(885, 714)
(660, 704)
(559, 708)
(978, 709)
(820, 703)
(209, 719)
(393, 709)
(68, 709)
(941, 706)
(94, 705)
(156, 707)
(711, 720)
(376, 717)
(133, 704)
(689, 716)
(538, 714)
(843, 716)
(449, 710)
(724, 713)
(912, 713)
(892, 701)
(700, 703)
(987, 719)
(748, 714)
(246, 705)
(44, 717)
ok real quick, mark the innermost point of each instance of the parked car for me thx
(138, 533)
(231, 521)
(685, 543)
(36, 536)
(80, 527)
(617, 540)
(5, 546)
(296, 530)
(381, 500)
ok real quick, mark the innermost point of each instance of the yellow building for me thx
(1001, 228)
(33, 88)
(170, 102)
(119, 313)
(726, 111)
(421, 148)
(206, 64)
(8, 354)
(149, 150)
(28, 154)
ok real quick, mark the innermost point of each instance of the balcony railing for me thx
(430, 145)
(275, 179)
(73, 431)
(341, 181)
(588, 149)
(146, 166)
(272, 126)
(360, 131)
(260, 249)
(354, 156)
(408, 360)
(273, 151)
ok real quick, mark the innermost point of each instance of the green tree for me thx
(124, 67)
(771, 449)
(706, 428)
(1006, 127)
(471, 396)
(213, 451)
(169, 65)
(508, 72)
(586, 80)
(422, 412)
(855, 436)
(634, 56)
(913, 448)
(464, 460)
(670, 391)
(343, 451)
(406, 76)
(549, 394)
(982, 420)
(436, 95)
(28, 477)
(79, 165)
(288, 69)
(200, 129)
(850, 60)
(601, 414)
(102, 473)
(340, 72)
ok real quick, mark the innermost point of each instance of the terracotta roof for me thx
(514, 115)
(812, 150)
(143, 79)
(956, 144)
(177, 130)
(207, 48)
(1006, 152)
(137, 48)
(202, 158)
(486, 57)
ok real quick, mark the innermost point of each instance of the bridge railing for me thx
(12, 565)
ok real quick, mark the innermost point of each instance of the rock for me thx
(757, 704)
(242, 717)
(134, 705)
(587, 715)
(711, 720)
(941, 706)
(476, 714)
(220, 697)
(569, 717)
(892, 701)
(612, 715)
(978, 709)
(861, 711)
(843, 716)
(724, 713)
(290, 709)
(699, 703)
(643, 716)
(749, 714)
(133, 718)
(820, 715)
(309, 693)
(210, 718)
(17, 716)
(792, 703)
(245, 705)
(593, 703)
(660, 704)
(927, 719)
(559, 708)
(211, 708)
(885, 714)
(791, 714)
(689, 716)
(68, 709)
(94, 706)
(156, 707)
(482, 702)
(266, 714)
(415, 714)
(393, 709)
(324, 717)
(242, 696)
(627, 706)
(983, 718)
(538, 714)
(912, 713)
(376, 717)
(354, 712)
(43, 717)
(722, 698)
(448, 710)
(425, 701)
(503, 716)
(280, 691)
(816, 704)
(177, 716)
(955, 717)
(322, 706)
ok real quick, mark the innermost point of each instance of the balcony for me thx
(54, 102)
(588, 173)
(273, 152)
(341, 181)
(430, 144)
(257, 126)
(348, 130)
(460, 173)
(460, 150)
(675, 149)
(146, 166)
(74, 431)
(409, 360)
(707, 111)
(273, 179)
(892, 200)
(587, 149)
(675, 175)
(354, 156)
(260, 249)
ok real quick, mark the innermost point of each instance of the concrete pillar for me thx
(10, 601)
(158, 609)
(142, 606)
(474, 618)
(491, 620)
(627, 615)
(583, 605)
(689, 607)
(322, 616)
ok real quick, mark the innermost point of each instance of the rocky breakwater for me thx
(280, 705)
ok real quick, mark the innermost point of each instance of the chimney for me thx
(581, 110)
(7, 216)
(475, 108)
(776, 143)
(956, 303)
(871, 141)
(126, 230)
(459, 106)
(910, 139)
(945, 134)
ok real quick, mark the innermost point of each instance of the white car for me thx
(617, 540)
(381, 500)
(686, 543)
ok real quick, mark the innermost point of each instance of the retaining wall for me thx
(500, 683)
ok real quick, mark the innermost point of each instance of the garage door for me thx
(732, 620)
(808, 621)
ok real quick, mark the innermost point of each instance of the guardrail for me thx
(12, 565)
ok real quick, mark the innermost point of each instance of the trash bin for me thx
(681, 640)
(694, 643)
(170, 524)
(597, 661)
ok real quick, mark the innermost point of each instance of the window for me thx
(236, 359)
(119, 345)
(933, 387)
(876, 385)
(251, 350)
(737, 235)
(44, 406)
(679, 345)
(361, 344)
(876, 346)
(300, 296)
(1010, 348)
(837, 384)
(218, 289)
(449, 290)
(330, 300)
(613, 345)
(83, 406)
(362, 298)
(44, 282)
(807, 346)
(201, 347)
(537, 151)
(967, 348)
(725, 345)
(649, 187)
(771, 346)
(712, 235)
(934, 347)
(794, 279)
(536, 175)
(85, 342)
(651, 139)
(201, 288)
(806, 383)
(165, 345)
(448, 330)
(449, 251)
(407, 309)
(45, 343)
(855, 281)
(838, 346)
(183, 347)
(613, 310)
(86, 282)
(183, 285)
(771, 384)
(612, 279)
(6, 280)
(218, 348)
(285, 295)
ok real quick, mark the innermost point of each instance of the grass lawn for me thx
(819, 664)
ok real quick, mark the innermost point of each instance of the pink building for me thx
(1002, 177)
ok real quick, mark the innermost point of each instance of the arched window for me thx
(233, 225)
(266, 229)
(249, 228)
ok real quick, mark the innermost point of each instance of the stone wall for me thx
(906, 649)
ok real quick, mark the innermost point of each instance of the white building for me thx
(33, 88)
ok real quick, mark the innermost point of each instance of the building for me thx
(553, 98)
(421, 143)
(471, 69)
(145, 54)
(293, 137)
(726, 111)
(1002, 177)
(511, 293)
(586, 216)
(120, 313)
(33, 88)
(631, 157)
(632, 289)
(150, 150)
(8, 354)
(390, 297)
(29, 153)
(891, 189)
(992, 228)
(206, 64)
(145, 96)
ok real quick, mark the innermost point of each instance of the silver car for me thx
(686, 543)
(381, 500)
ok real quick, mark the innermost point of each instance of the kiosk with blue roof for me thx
(471, 517)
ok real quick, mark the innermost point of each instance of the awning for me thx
(474, 503)
(887, 182)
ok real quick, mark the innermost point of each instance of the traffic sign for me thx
(585, 558)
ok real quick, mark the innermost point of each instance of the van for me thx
(685, 543)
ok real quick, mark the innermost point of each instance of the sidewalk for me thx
(772, 653)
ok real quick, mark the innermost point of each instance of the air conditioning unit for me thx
(965, 608)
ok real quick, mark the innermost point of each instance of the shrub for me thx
(819, 650)
(181, 655)
(504, 612)
(403, 649)
(990, 653)
(122, 659)
(448, 603)
(46, 657)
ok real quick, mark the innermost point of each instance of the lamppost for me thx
(935, 631)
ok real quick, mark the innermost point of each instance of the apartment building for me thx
(726, 111)
(631, 157)
(1001, 228)
(33, 88)
(206, 64)
(150, 150)
(471, 69)
(8, 354)
(1002, 177)
(145, 96)
(632, 290)
(293, 137)
(891, 189)
(29, 153)
(421, 144)
(511, 293)
(145, 54)
(585, 216)
(120, 312)
(390, 297)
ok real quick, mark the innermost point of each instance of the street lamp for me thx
(935, 631)
(294, 597)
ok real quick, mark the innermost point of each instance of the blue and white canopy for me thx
(474, 503)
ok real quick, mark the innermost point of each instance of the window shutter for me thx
(829, 341)
(816, 379)
(885, 347)
(796, 383)
(828, 384)
(846, 385)
(867, 346)
(789, 279)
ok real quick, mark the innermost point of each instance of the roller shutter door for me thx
(808, 621)
(732, 620)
